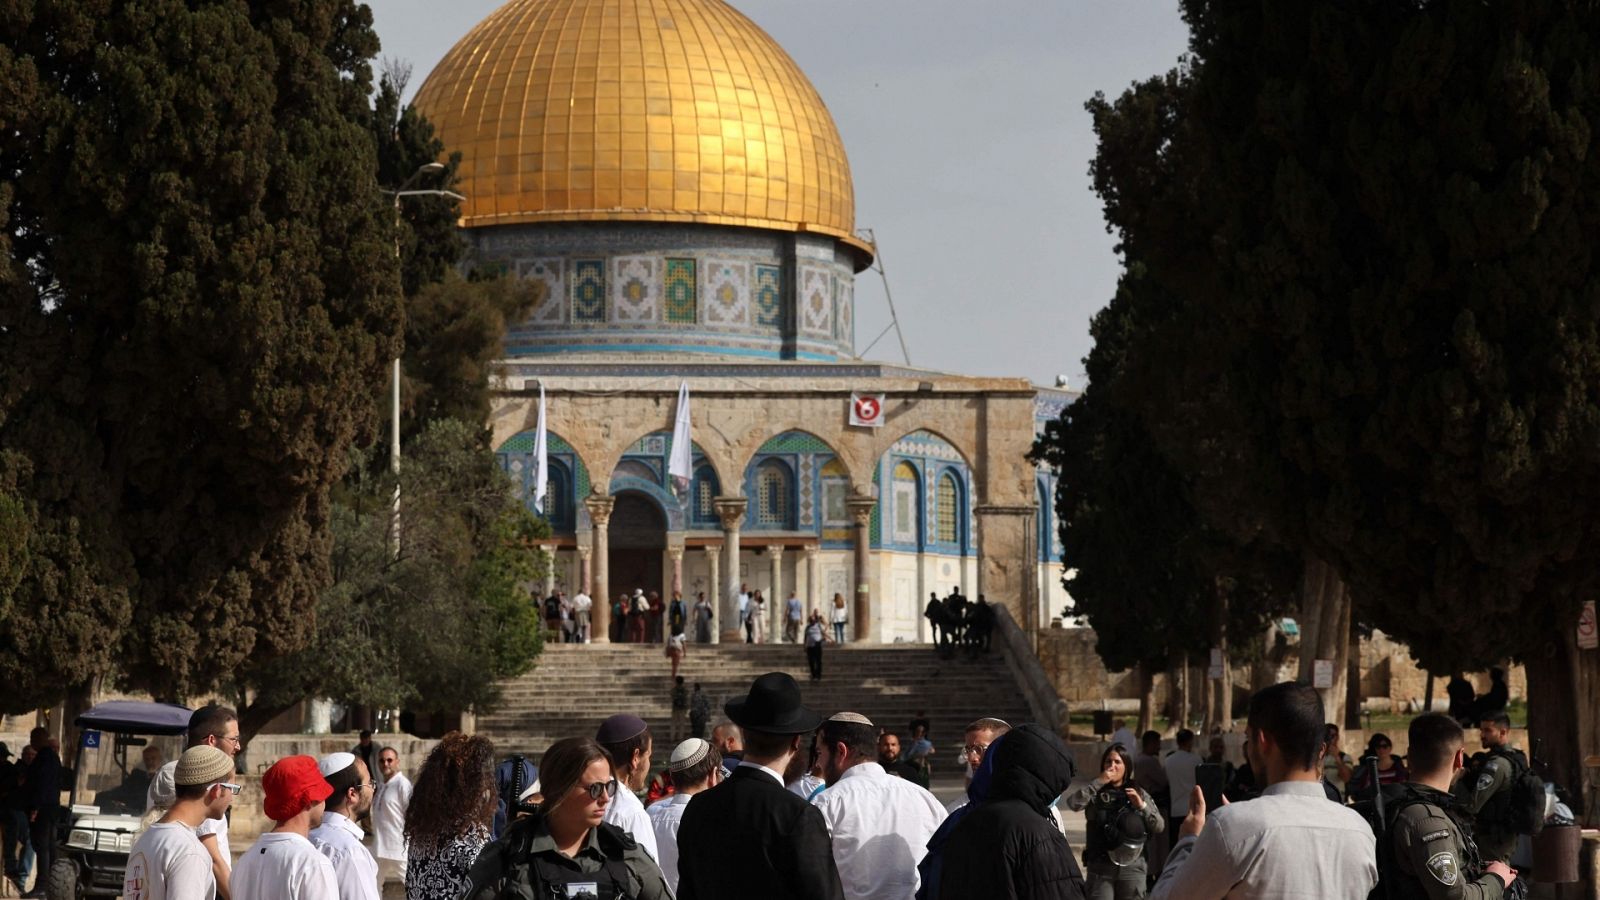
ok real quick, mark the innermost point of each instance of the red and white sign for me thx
(1588, 639)
(866, 410)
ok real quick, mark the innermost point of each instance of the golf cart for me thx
(108, 793)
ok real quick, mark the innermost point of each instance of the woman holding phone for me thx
(1118, 815)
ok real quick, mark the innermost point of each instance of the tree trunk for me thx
(1223, 687)
(1564, 705)
(1147, 699)
(1265, 673)
(1324, 631)
(257, 716)
(1180, 712)
(1427, 692)
(1353, 695)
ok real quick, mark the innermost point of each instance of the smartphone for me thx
(1210, 779)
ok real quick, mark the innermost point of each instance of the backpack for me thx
(1519, 807)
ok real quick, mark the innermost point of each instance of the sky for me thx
(969, 147)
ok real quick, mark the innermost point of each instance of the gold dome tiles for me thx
(637, 110)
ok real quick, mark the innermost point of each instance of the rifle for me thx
(1380, 824)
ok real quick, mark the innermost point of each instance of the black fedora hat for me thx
(773, 706)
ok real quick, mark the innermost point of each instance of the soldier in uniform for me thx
(1484, 792)
(1427, 848)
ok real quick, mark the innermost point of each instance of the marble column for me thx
(713, 575)
(549, 550)
(860, 506)
(1005, 569)
(600, 616)
(675, 556)
(814, 580)
(775, 607)
(584, 584)
(731, 511)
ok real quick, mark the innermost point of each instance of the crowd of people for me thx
(958, 622)
(784, 801)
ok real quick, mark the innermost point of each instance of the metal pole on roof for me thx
(894, 319)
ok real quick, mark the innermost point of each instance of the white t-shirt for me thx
(168, 863)
(1179, 766)
(218, 827)
(283, 866)
(581, 604)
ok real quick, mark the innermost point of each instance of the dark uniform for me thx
(1484, 792)
(1433, 850)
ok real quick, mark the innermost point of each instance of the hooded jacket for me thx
(932, 866)
(1008, 847)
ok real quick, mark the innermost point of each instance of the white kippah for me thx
(856, 718)
(335, 762)
(688, 754)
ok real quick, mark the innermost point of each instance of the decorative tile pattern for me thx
(844, 315)
(923, 443)
(795, 442)
(769, 296)
(679, 291)
(808, 465)
(551, 296)
(726, 293)
(635, 288)
(589, 290)
(816, 301)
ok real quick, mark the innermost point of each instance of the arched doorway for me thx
(637, 541)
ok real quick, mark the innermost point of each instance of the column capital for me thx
(860, 507)
(583, 552)
(776, 550)
(712, 550)
(675, 553)
(811, 551)
(731, 511)
(600, 507)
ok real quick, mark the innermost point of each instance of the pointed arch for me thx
(566, 480)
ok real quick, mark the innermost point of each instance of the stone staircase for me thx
(573, 687)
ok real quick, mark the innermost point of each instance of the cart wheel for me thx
(64, 881)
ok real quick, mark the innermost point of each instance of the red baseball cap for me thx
(292, 784)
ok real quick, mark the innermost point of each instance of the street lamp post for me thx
(404, 190)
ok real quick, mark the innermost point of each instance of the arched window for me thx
(702, 492)
(557, 496)
(633, 468)
(948, 510)
(774, 505)
(907, 504)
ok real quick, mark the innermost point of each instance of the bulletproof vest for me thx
(561, 883)
(524, 875)
(1392, 882)
(1100, 820)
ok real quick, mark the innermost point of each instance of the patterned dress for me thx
(443, 873)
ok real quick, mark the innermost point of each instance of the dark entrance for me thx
(638, 539)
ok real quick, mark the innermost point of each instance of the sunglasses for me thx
(234, 788)
(601, 789)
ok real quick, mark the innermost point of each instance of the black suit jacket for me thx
(751, 837)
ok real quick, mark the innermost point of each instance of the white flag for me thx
(541, 457)
(681, 467)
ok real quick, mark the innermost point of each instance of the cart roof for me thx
(136, 717)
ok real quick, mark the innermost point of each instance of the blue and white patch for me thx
(1442, 866)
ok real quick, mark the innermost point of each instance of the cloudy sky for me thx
(969, 148)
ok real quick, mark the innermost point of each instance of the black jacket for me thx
(750, 837)
(1009, 848)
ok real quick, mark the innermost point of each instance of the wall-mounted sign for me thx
(866, 410)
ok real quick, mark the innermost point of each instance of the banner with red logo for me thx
(866, 410)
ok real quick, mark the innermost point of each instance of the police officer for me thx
(1120, 815)
(1428, 849)
(1485, 791)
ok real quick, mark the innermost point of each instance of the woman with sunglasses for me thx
(1116, 867)
(1391, 769)
(566, 842)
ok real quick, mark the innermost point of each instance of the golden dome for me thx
(637, 110)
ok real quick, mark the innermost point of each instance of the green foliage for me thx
(430, 243)
(455, 330)
(1381, 334)
(433, 628)
(198, 294)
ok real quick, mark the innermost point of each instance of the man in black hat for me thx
(750, 836)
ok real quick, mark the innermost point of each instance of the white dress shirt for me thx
(283, 866)
(665, 814)
(880, 826)
(389, 818)
(339, 839)
(1291, 842)
(626, 812)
